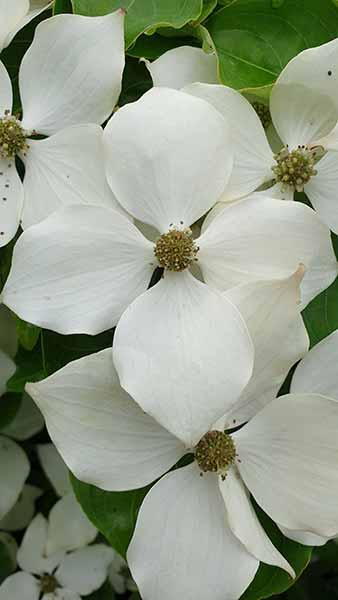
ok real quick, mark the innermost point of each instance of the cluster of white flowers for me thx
(175, 223)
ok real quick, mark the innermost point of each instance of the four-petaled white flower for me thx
(66, 92)
(199, 536)
(81, 268)
(304, 111)
(58, 575)
(16, 14)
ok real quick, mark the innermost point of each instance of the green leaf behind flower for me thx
(255, 39)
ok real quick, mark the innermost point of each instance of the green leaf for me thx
(28, 334)
(9, 406)
(321, 315)
(156, 45)
(255, 40)
(144, 15)
(62, 6)
(29, 367)
(113, 513)
(58, 350)
(271, 580)
(8, 549)
(208, 7)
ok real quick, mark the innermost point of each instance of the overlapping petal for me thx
(183, 352)
(20, 585)
(78, 270)
(271, 310)
(85, 570)
(182, 532)
(181, 66)
(261, 238)
(317, 372)
(245, 525)
(110, 443)
(31, 554)
(79, 88)
(287, 457)
(322, 190)
(253, 157)
(68, 527)
(12, 13)
(179, 150)
(6, 94)
(66, 168)
(11, 200)
(14, 470)
(301, 114)
(321, 61)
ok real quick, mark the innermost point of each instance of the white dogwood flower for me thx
(16, 14)
(57, 576)
(198, 536)
(83, 267)
(66, 103)
(303, 110)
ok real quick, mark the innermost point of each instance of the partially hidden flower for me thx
(16, 14)
(197, 533)
(57, 576)
(69, 80)
(304, 111)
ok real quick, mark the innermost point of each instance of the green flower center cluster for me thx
(12, 137)
(176, 250)
(263, 112)
(215, 452)
(48, 584)
(295, 168)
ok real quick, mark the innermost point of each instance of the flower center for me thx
(263, 112)
(176, 250)
(295, 168)
(48, 584)
(13, 138)
(215, 452)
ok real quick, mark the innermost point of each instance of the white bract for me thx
(198, 537)
(304, 112)
(14, 464)
(58, 576)
(70, 80)
(68, 527)
(95, 262)
(15, 14)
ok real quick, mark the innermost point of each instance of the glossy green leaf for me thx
(29, 367)
(152, 47)
(254, 40)
(58, 350)
(271, 580)
(321, 315)
(113, 513)
(9, 406)
(62, 6)
(28, 334)
(144, 15)
(8, 550)
(94, 8)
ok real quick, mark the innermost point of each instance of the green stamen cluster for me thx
(176, 250)
(12, 137)
(215, 452)
(295, 168)
(48, 584)
(263, 112)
